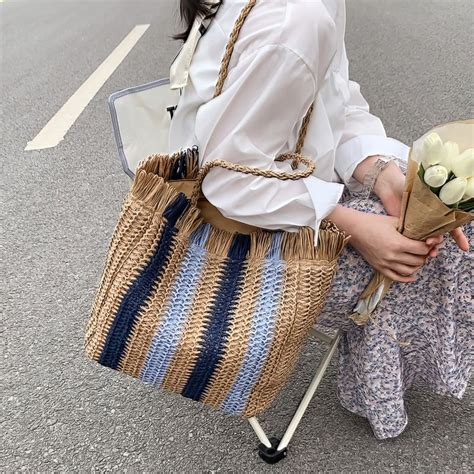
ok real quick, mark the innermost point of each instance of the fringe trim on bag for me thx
(153, 191)
(294, 246)
(183, 164)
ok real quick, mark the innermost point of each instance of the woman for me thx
(291, 54)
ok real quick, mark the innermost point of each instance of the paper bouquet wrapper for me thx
(423, 214)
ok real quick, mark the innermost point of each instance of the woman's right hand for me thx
(378, 241)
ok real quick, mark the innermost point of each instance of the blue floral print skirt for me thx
(434, 316)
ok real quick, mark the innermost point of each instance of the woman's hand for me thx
(377, 240)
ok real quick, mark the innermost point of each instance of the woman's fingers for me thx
(411, 259)
(460, 239)
(435, 240)
(434, 252)
(404, 270)
(417, 247)
(397, 277)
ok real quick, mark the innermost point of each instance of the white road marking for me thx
(55, 130)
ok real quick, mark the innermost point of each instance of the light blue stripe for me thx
(169, 331)
(261, 331)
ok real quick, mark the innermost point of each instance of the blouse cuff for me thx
(357, 149)
(324, 196)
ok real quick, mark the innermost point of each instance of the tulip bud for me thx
(469, 192)
(453, 191)
(433, 150)
(436, 176)
(463, 165)
(451, 153)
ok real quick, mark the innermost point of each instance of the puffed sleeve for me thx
(265, 96)
(364, 134)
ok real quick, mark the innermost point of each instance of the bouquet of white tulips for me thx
(438, 196)
(449, 173)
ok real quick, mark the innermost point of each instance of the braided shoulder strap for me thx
(295, 157)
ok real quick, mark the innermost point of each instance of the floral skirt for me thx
(434, 316)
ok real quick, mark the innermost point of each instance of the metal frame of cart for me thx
(272, 450)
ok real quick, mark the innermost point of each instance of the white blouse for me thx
(289, 54)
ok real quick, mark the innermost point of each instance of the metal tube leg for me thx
(309, 393)
(259, 432)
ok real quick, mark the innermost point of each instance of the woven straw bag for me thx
(201, 305)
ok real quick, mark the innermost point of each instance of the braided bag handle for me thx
(296, 156)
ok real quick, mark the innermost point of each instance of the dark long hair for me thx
(188, 9)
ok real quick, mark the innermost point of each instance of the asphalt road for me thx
(59, 206)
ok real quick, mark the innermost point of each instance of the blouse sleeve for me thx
(264, 99)
(364, 134)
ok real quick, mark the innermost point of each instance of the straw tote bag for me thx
(198, 304)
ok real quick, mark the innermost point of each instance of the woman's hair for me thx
(188, 9)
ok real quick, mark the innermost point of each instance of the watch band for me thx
(371, 178)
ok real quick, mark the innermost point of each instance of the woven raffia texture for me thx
(218, 317)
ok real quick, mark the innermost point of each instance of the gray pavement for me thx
(59, 206)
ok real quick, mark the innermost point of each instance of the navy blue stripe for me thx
(214, 337)
(141, 288)
(179, 171)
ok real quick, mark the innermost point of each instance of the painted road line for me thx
(55, 130)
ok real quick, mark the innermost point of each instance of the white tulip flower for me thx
(453, 191)
(469, 192)
(436, 176)
(451, 152)
(463, 165)
(433, 150)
